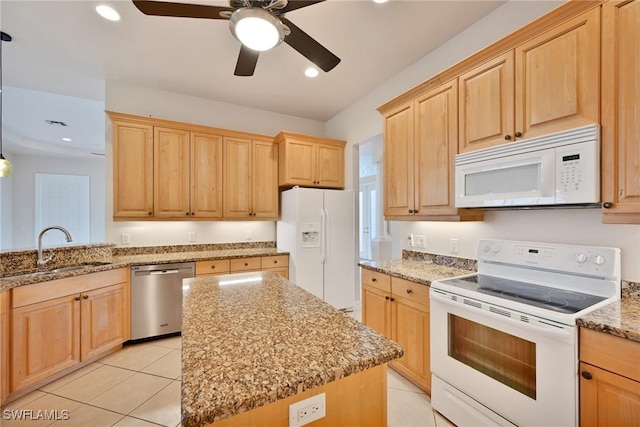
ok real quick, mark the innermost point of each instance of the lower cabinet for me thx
(212, 268)
(58, 324)
(4, 345)
(279, 264)
(399, 309)
(609, 380)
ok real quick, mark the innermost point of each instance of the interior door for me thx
(368, 216)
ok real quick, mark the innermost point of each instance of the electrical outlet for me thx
(421, 241)
(307, 410)
(455, 246)
(125, 238)
(411, 240)
(192, 236)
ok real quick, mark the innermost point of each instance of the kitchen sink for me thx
(57, 270)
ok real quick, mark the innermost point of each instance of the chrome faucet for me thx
(42, 261)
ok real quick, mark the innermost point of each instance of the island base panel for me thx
(358, 400)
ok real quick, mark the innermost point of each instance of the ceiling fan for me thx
(258, 24)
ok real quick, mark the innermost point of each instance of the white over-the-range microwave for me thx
(559, 169)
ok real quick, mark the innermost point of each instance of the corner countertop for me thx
(261, 339)
(620, 318)
(423, 272)
(7, 283)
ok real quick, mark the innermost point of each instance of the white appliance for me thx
(316, 227)
(504, 341)
(557, 169)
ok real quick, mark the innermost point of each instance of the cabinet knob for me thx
(187, 214)
(374, 279)
(410, 210)
(415, 211)
(387, 297)
(409, 291)
(392, 299)
(77, 298)
(507, 137)
(518, 134)
(246, 264)
(275, 261)
(150, 213)
(85, 296)
(192, 214)
(607, 205)
(586, 375)
(213, 267)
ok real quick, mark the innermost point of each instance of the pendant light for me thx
(5, 165)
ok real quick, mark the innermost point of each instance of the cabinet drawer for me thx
(609, 352)
(377, 280)
(245, 264)
(412, 291)
(217, 266)
(4, 302)
(275, 261)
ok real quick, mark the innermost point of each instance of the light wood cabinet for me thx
(279, 264)
(58, 324)
(250, 189)
(609, 380)
(620, 111)
(546, 84)
(187, 174)
(310, 161)
(399, 309)
(4, 346)
(132, 170)
(212, 267)
(420, 144)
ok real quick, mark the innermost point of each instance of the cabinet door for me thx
(608, 399)
(298, 163)
(206, 175)
(4, 346)
(236, 154)
(132, 170)
(330, 166)
(376, 310)
(171, 173)
(487, 104)
(45, 339)
(436, 137)
(398, 162)
(558, 78)
(620, 111)
(102, 314)
(264, 186)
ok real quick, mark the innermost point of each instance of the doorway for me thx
(368, 196)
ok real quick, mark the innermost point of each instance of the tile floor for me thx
(139, 386)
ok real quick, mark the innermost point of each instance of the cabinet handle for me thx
(607, 205)
(374, 279)
(387, 297)
(77, 298)
(586, 375)
(518, 134)
(392, 299)
(415, 211)
(507, 137)
(85, 296)
(409, 291)
(410, 210)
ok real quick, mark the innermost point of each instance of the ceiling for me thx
(63, 52)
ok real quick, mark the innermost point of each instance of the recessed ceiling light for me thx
(107, 12)
(311, 72)
(380, 1)
(67, 139)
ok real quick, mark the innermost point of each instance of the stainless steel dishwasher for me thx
(156, 298)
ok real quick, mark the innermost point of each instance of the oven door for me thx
(521, 368)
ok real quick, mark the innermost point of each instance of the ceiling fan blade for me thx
(181, 10)
(247, 60)
(309, 48)
(298, 4)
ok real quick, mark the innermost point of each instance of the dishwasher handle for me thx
(164, 272)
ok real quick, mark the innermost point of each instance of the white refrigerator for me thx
(316, 227)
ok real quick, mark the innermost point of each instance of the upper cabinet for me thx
(250, 179)
(310, 161)
(547, 84)
(167, 170)
(420, 143)
(620, 112)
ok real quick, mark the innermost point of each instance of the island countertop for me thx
(250, 339)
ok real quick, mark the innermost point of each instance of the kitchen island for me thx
(254, 343)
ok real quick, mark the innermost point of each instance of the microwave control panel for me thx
(577, 173)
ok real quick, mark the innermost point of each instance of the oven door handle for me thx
(555, 332)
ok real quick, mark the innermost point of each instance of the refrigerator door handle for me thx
(323, 233)
(325, 240)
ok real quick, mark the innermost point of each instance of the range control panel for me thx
(589, 260)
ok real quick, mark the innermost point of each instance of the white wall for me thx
(361, 121)
(23, 201)
(140, 101)
(6, 211)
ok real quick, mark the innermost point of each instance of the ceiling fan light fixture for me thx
(311, 72)
(107, 12)
(256, 28)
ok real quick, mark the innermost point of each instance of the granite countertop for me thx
(423, 272)
(245, 345)
(620, 318)
(129, 260)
